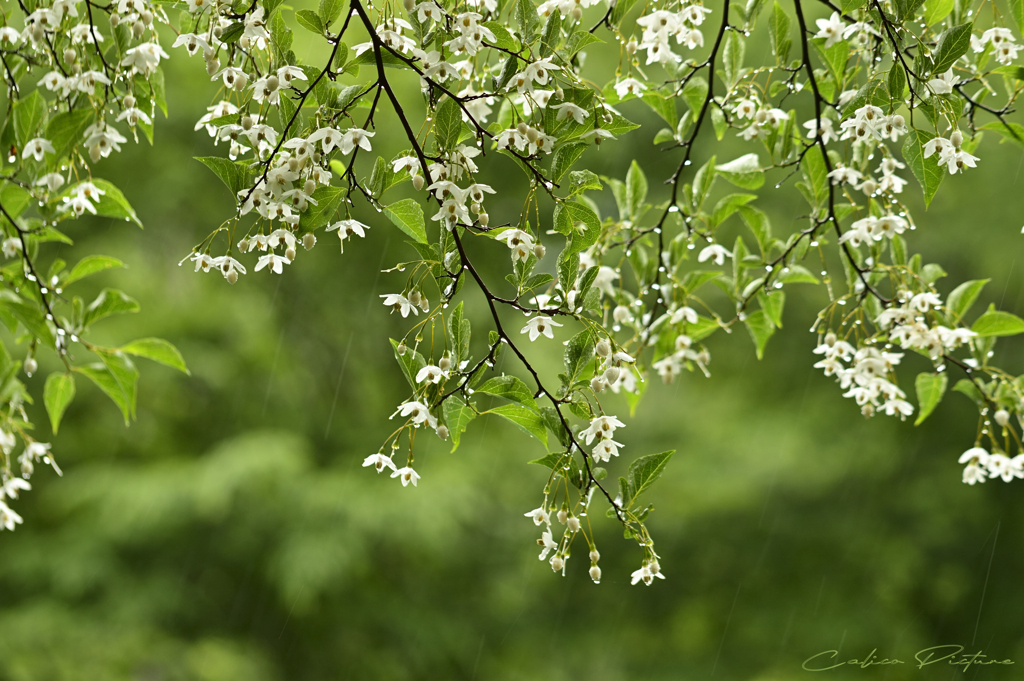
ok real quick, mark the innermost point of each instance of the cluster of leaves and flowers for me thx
(855, 97)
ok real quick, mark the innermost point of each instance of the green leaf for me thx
(459, 334)
(577, 41)
(510, 388)
(663, 106)
(727, 205)
(967, 387)
(636, 190)
(798, 274)
(1017, 10)
(457, 415)
(14, 198)
(448, 124)
(407, 215)
(732, 62)
(997, 323)
(930, 389)
(578, 353)
(643, 472)
(937, 10)
(317, 215)
(527, 419)
(310, 21)
(91, 265)
(158, 350)
(817, 175)
(744, 172)
(897, 82)
(778, 32)
(579, 223)
(113, 385)
(695, 93)
(109, 301)
(233, 32)
(29, 315)
(65, 130)
(526, 18)
(1010, 131)
(57, 395)
(772, 304)
(503, 38)
(761, 329)
(29, 112)
(953, 43)
(564, 158)
(235, 176)
(963, 297)
(330, 10)
(411, 362)
(928, 173)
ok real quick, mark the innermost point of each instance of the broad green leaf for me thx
(578, 222)
(663, 106)
(113, 204)
(29, 112)
(503, 38)
(930, 389)
(897, 82)
(57, 395)
(744, 172)
(448, 124)
(937, 10)
(577, 41)
(91, 264)
(103, 377)
(407, 215)
(778, 32)
(458, 334)
(817, 175)
(411, 362)
(563, 464)
(797, 274)
(998, 323)
(1010, 131)
(1017, 10)
(578, 353)
(29, 315)
(636, 190)
(953, 43)
(643, 472)
(967, 387)
(65, 130)
(510, 388)
(109, 301)
(695, 94)
(310, 21)
(927, 171)
(327, 199)
(158, 350)
(15, 199)
(329, 10)
(235, 176)
(457, 415)
(527, 419)
(732, 58)
(727, 205)
(564, 158)
(761, 329)
(233, 32)
(772, 304)
(963, 297)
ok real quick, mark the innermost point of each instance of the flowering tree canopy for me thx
(851, 102)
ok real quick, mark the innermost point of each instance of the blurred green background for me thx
(230, 532)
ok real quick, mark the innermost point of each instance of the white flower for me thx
(36, 148)
(601, 426)
(407, 474)
(355, 137)
(646, 573)
(540, 325)
(274, 261)
(399, 302)
(8, 518)
(830, 29)
(431, 374)
(943, 85)
(547, 542)
(569, 109)
(347, 227)
(539, 515)
(419, 412)
(714, 252)
(13, 486)
(606, 449)
(629, 86)
(379, 461)
(999, 466)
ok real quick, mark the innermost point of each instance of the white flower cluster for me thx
(870, 122)
(982, 466)
(949, 152)
(660, 26)
(763, 119)
(1001, 41)
(867, 379)
(10, 484)
(542, 516)
(910, 328)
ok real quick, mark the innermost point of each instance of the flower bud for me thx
(293, 164)
(563, 515)
(138, 28)
(595, 573)
(621, 314)
(611, 374)
(1002, 416)
(956, 138)
(761, 116)
(483, 219)
(603, 348)
(867, 410)
(522, 128)
(830, 339)
(115, 19)
(442, 431)
(273, 83)
(290, 254)
(70, 55)
(212, 66)
(232, 277)
(557, 563)
(539, 251)
(418, 182)
(594, 556)
(309, 187)
(129, 102)
(573, 523)
(241, 80)
(532, 134)
(402, 347)
(576, 13)
(218, 31)
(246, 122)
(94, 153)
(245, 41)
(414, 297)
(146, 16)
(30, 366)
(869, 187)
(631, 47)
(308, 241)
(598, 384)
(898, 121)
(409, 5)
